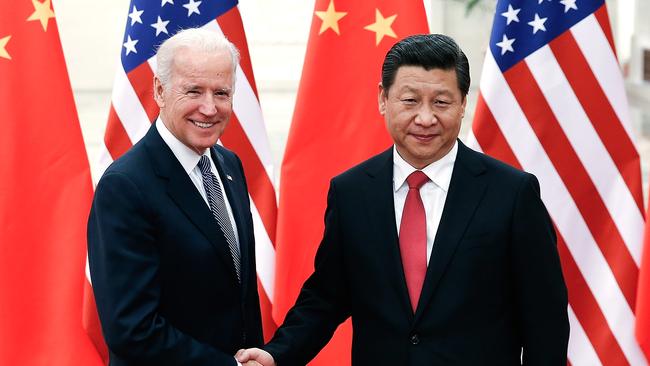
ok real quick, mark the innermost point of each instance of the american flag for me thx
(552, 102)
(133, 110)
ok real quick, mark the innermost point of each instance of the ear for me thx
(463, 105)
(158, 92)
(382, 99)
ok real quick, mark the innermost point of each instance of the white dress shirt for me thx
(189, 159)
(433, 192)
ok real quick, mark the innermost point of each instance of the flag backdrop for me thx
(133, 110)
(336, 124)
(643, 295)
(552, 102)
(45, 195)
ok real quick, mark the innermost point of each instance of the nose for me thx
(425, 116)
(208, 106)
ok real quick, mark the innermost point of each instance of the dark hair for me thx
(431, 51)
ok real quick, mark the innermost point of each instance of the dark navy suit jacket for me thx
(493, 286)
(163, 276)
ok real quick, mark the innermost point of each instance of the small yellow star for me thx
(330, 18)
(3, 45)
(382, 26)
(42, 12)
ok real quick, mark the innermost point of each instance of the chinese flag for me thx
(45, 195)
(336, 125)
(643, 294)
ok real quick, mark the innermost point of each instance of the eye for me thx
(440, 102)
(408, 101)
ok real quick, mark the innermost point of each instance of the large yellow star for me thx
(382, 26)
(42, 12)
(330, 18)
(3, 45)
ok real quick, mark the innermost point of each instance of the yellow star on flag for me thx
(382, 26)
(3, 45)
(42, 12)
(330, 18)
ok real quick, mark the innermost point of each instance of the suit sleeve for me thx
(539, 285)
(323, 302)
(124, 266)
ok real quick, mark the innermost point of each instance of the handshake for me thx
(254, 357)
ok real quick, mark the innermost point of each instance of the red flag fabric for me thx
(336, 124)
(552, 102)
(45, 195)
(643, 294)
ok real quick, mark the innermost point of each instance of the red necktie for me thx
(413, 237)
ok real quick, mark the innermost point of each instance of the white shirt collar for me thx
(186, 156)
(439, 171)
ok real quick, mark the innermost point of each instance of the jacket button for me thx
(415, 339)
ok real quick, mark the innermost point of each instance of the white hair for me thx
(196, 39)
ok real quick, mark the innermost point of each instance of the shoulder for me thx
(372, 167)
(481, 163)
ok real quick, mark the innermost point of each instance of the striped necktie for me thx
(219, 211)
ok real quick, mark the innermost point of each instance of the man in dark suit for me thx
(170, 234)
(441, 255)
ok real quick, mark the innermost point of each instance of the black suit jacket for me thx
(164, 280)
(493, 285)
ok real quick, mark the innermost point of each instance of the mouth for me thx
(202, 124)
(423, 137)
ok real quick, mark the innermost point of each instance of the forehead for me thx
(189, 64)
(417, 77)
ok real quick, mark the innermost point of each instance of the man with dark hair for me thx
(441, 255)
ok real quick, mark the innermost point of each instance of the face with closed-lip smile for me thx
(423, 110)
(196, 103)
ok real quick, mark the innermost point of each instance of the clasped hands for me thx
(254, 357)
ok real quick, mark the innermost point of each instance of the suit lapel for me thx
(466, 190)
(381, 210)
(228, 177)
(184, 193)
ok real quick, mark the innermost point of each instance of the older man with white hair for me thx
(170, 234)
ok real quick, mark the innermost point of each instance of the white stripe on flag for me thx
(581, 352)
(589, 148)
(592, 41)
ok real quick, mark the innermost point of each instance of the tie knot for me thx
(416, 179)
(204, 164)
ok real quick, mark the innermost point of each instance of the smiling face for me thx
(423, 110)
(196, 104)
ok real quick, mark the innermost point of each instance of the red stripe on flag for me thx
(259, 185)
(488, 133)
(577, 181)
(115, 137)
(90, 321)
(603, 20)
(268, 324)
(232, 27)
(141, 79)
(600, 112)
(587, 310)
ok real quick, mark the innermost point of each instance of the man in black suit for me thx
(441, 255)
(170, 234)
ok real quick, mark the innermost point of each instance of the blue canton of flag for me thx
(151, 22)
(521, 27)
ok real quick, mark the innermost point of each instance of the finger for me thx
(243, 355)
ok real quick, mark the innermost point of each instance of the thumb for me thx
(242, 355)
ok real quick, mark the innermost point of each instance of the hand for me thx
(256, 355)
